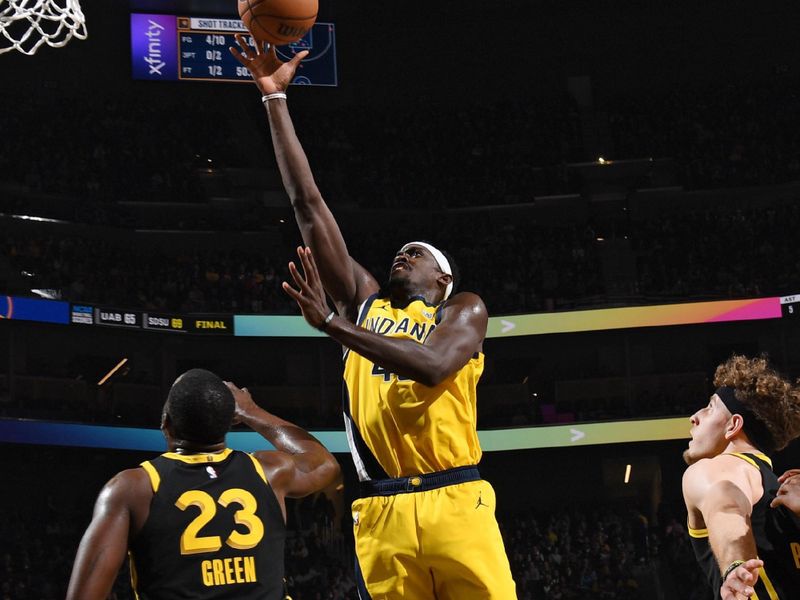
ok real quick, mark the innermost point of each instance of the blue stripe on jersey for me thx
(373, 468)
(361, 585)
(367, 305)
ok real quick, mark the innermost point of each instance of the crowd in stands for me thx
(580, 554)
(736, 135)
(150, 148)
(522, 267)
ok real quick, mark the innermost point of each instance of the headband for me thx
(439, 257)
(756, 430)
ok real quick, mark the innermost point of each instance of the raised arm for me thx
(347, 282)
(105, 542)
(302, 465)
(458, 336)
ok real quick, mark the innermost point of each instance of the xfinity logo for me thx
(153, 58)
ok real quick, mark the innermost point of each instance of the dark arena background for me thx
(619, 181)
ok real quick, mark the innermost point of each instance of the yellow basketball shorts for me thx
(439, 544)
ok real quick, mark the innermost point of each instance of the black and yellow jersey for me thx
(777, 540)
(215, 530)
(397, 427)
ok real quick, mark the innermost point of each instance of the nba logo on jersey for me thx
(211, 472)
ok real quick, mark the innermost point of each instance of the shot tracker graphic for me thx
(178, 48)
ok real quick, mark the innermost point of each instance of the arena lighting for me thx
(112, 371)
(627, 473)
(40, 219)
(47, 294)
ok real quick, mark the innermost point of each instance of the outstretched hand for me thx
(789, 493)
(739, 583)
(270, 74)
(244, 402)
(310, 295)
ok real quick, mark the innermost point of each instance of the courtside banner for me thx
(494, 440)
(34, 309)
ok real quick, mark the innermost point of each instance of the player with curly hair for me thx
(745, 547)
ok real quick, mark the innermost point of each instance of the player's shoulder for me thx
(708, 471)
(125, 488)
(466, 301)
(713, 465)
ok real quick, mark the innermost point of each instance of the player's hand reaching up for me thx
(310, 296)
(270, 74)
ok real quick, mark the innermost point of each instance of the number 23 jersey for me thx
(215, 530)
(397, 427)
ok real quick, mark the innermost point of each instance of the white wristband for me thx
(274, 96)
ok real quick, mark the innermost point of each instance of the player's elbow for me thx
(305, 199)
(433, 374)
(331, 472)
(326, 473)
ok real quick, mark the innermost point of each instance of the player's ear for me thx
(735, 425)
(166, 422)
(445, 279)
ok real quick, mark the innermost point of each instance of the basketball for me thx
(278, 21)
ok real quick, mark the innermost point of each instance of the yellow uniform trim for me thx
(205, 457)
(746, 458)
(134, 575)
(697, 533)
(773, 595)
(155, 478)
(259, 468)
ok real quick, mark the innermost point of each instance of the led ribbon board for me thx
(556, 436)
(691, 313)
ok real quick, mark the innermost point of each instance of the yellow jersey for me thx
(397, 427)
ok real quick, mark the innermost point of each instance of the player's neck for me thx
(401, 295)
(187, 447)
(741, 446)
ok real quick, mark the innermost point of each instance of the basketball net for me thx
(27, 24)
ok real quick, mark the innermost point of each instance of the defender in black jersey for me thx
(745, 547)
(202, 521)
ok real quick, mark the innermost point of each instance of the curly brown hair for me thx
(773, 399)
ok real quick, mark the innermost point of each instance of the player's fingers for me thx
(293, 293)
(237, 55)
(312, 265)
(298, 57)
(299, 279)
(308, 267)
(243, 45)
